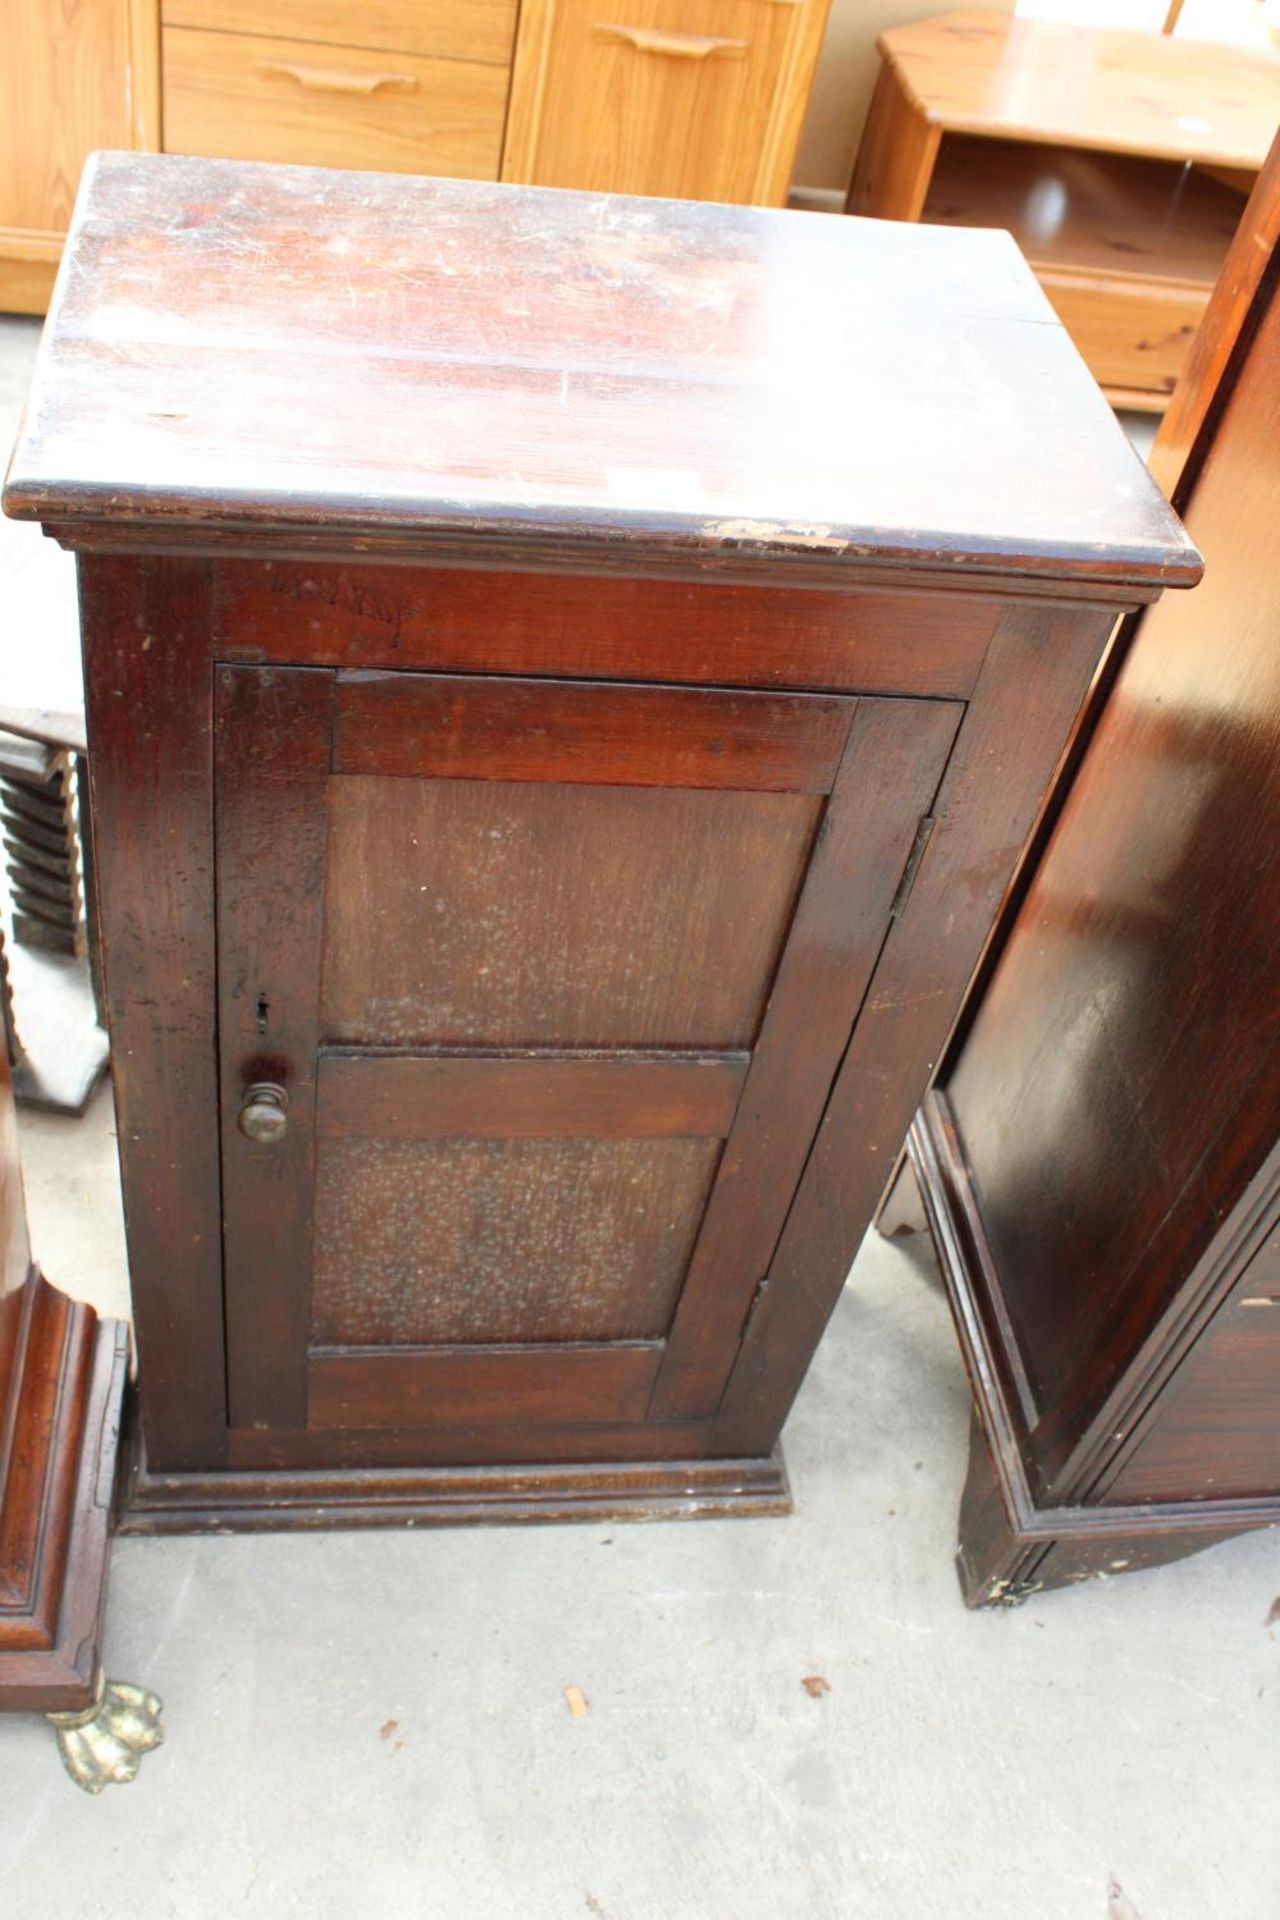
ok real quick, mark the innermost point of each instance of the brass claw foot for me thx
(106, 1741)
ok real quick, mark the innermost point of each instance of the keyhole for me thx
(264, 1009)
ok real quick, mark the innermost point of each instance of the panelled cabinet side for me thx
(998, 780)
(145, 627)
(1099, 1160)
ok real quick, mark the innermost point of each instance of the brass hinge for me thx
(924, 830)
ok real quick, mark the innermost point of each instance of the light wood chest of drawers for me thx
(397, 88)
(688, 99)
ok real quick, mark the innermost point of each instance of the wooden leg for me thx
(895, 156)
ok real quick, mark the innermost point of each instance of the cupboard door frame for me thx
(155, 626)
(877, 762)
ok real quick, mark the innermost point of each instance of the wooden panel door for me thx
(690, 99)
(543, 986)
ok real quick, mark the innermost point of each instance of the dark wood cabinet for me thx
(553, 781)
(1100, 1156)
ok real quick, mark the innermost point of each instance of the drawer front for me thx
(1133, 335)
(448, 29)
(237, 97)
(690, 99)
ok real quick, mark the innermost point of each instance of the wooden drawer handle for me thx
(334, 80)
(681, 46)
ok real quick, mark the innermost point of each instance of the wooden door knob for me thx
(264, 1112)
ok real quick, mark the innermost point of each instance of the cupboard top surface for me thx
(1124, 92)
(282, 353)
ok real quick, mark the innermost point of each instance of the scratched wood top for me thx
(278, 356)
(1098, 87)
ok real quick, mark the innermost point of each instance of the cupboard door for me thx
(530, 998)
(689, 99)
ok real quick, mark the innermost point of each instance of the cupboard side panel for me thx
(145, 626)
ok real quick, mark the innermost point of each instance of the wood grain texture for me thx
(549, 1096)
(893, 762)
(1037, 674)
(1229, 308)
(466, 1241)
(896, 154)
(62, 1376)
(689, 99)
(77, 75)
(1071, 85)
(1167, 827)
(1134, 334)
(627, 430)
(1108, 1175)
(271, 771)
(43, 1411)
(1012, 1544)
(673, 1488)
(564, 626)
(149, 691)
(477, 729)
(448, 29)
(532, 915)
(1082, 212)
(1127, 248)
(353, 1390)
(1214, 1434)
(529, 408)
(1078, 142)
(61, 1421)
(28, 269)
(64, 90)
(242, 97)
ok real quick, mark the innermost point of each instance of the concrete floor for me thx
(376, 1724)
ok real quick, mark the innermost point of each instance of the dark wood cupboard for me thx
(1099, 1158)
(554, 779)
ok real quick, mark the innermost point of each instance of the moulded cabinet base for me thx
(1009, 1546)
(302, 1500)
(1003, 1559)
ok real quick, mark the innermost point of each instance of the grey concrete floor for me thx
(376, 1724)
